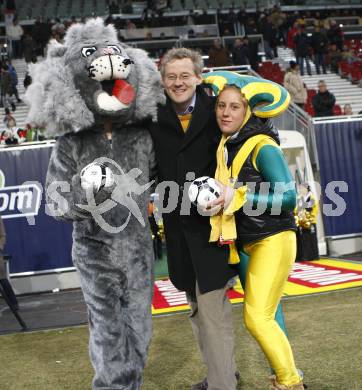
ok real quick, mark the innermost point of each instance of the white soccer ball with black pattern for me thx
(96, 176)
(204, 190)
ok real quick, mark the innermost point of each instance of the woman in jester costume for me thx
(257, 200)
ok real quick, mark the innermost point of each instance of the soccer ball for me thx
(96, 176)
(204, 190)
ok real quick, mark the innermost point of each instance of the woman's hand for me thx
(230, 199)
(225, 198)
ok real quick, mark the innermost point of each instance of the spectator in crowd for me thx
(13, 134)
(240, 52)
(130, 25)
(7, 137)
(295, 86)
(3, 274)
(227, 22)
(253, 52)
(127, 7)
(109, 20)
(29, 49)
(348, 54)
(269, 33)
(323, 102)
(251, 27)
(73, 20)
(277, 18)
(302, 50)
(319, 45)
(218, 55)
(334, 56)
(58, 29)
(203, 18)
(242, 17)
(14, 78)
(301, 21)
(347, 109)
(283, 30)
(149, 36)
(7, 89)
(335, 34)
(113, 8)
(9, 5)
(15, 33)
(319, 19)
(191, 34)
(9, 120)
(291, 34)
(41, 35)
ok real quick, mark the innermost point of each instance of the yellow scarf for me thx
(223, 224)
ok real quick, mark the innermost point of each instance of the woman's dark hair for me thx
(293, 64)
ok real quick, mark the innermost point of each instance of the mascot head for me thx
(90, 79)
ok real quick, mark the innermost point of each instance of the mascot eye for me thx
(87, 51)
(115, 48)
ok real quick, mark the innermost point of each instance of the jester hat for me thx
(266, 99)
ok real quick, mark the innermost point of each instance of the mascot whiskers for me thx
(97, 96)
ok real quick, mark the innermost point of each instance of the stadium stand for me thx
(174, 24)
(21, 108)
(342, 88)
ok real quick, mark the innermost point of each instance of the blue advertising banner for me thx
(36, 241)
(339, 147)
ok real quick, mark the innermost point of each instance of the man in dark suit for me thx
(186, 138)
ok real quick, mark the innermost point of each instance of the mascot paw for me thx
(96, 176)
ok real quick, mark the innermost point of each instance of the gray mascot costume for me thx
(96, 95)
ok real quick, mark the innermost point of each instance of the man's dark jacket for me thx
(301, 41)
(240, 55)
(319, 42)
(190, 255)
(323, 103)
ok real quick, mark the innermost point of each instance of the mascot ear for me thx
(56, 49)
(149, 85)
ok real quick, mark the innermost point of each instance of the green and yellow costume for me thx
(265, 244)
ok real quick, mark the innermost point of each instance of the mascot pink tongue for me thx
(123, 91)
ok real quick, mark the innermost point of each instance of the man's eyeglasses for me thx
(170, 79)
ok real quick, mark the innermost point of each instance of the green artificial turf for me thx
(325, 332)
(161, 268)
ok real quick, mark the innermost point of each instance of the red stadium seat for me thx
(344, 68)
(356, 75)
(309, 109)
(310, 94)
